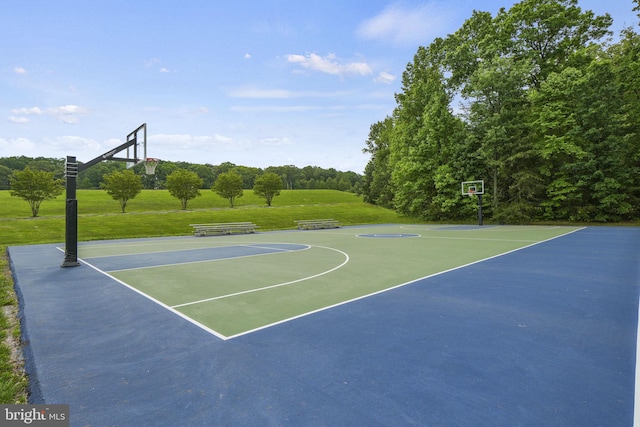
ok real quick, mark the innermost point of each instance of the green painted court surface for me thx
(231, 285)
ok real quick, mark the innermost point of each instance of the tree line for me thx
(537, 101)
(293, 177)
(35, 186)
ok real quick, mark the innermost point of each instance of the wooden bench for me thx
(316, 224)
(224, 228)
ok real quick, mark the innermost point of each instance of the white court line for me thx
(149, 297)
(195, 322)
(272, 286)
(209, 260)
(223, 337)
(167, 248)
(506, 228)
(399, 286)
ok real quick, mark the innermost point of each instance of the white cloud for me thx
(329, 64)
(19, 70)
(406, 26)
(151, 62)
(385, 78)
(277, 142)
(17, 146)
(75, 143)
(186, 141)
(165, 146)
(14, 119)
(65, 113)
(27, 111)
(247, 56)
(65, 109)
(154, 63)
(57, 147)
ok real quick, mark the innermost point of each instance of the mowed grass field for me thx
(157, 213)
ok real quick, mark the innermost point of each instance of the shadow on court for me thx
(541, 336)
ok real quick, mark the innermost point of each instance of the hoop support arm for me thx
(109, 155)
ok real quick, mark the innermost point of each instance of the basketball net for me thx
(150, 165)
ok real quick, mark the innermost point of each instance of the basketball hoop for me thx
(150, 165)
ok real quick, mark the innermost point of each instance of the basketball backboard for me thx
(470, 188)
(138, 142)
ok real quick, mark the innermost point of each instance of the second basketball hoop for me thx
(475, 188)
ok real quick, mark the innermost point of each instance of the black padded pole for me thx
(71, 220)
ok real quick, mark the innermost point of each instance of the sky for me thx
(257, 83)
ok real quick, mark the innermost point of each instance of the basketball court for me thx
(371, 325)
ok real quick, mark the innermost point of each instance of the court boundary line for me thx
(154, 300)
(251, 245)
(276, 285)
(195, 322)
(226, 338)
(400, 285)
(276, 251)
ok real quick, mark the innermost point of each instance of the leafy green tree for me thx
(229, 186)
(94, 176)
(205, 172)
(248, 175)
(184, 185)
(5, 173)
(425, 137)
(544, 120)
(547, 34)
(289, 174)
(223, 167)
(625, 62)
(376, 185)
(35, 186)
(122, 186)
(268, 186)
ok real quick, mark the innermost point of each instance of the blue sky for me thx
(256, 83)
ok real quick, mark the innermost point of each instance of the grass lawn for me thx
(157, 213)
(151, 213)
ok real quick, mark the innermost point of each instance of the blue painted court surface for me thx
(541, 336)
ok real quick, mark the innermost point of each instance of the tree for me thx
(229, 186)
(93, 177)
(122, 186)
(5, 174)
(248, 175)
(184, 185)
(377, 174)
(268, 186)
(548, 118)
(35, 186)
